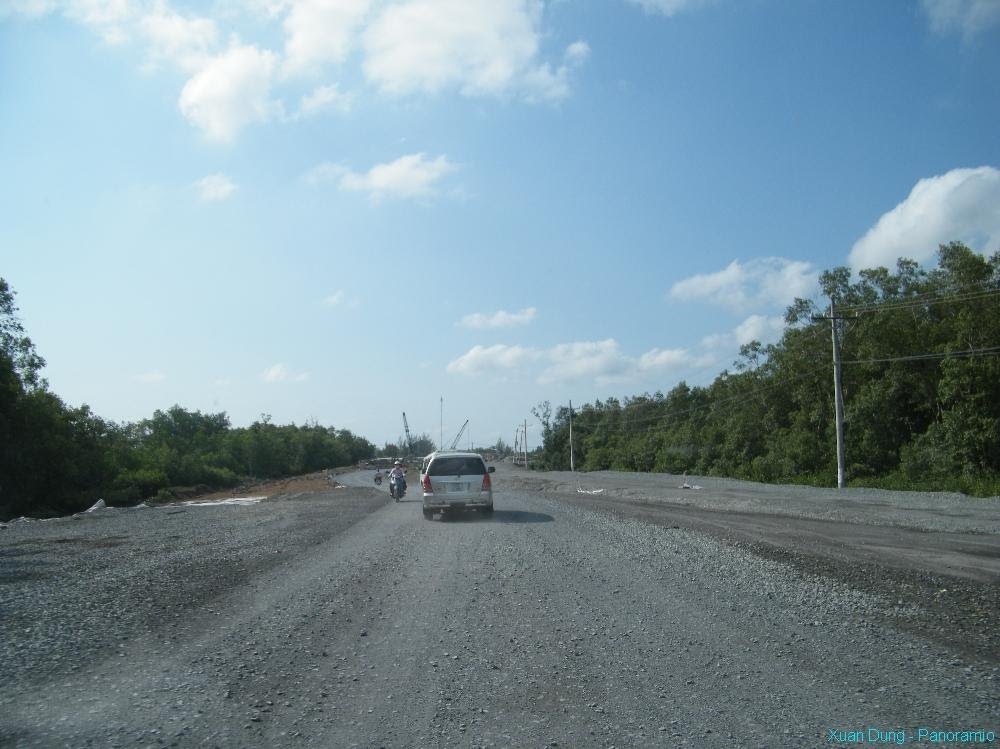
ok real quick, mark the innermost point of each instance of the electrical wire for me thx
(991, 351)
(918, 301)
(701, 407)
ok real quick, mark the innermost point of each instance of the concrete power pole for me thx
(526, 443)
(571, 466)
(838, 396)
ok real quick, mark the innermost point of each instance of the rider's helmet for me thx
(397, 463)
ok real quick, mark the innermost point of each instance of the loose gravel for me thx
(342, 619)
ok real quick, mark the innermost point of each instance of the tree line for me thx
(56, 459)
(921, 386)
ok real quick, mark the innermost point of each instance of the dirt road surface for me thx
(337, 618)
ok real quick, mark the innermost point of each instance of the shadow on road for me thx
(498, 516)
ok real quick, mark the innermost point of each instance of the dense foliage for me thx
(55, 459)
(921, 383)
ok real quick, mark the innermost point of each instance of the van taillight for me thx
(427, 484)
(486, 483)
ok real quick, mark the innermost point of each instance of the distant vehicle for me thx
(453, 480)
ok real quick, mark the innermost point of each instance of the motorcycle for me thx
(397, 488)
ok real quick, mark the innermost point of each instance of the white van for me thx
(453, 480)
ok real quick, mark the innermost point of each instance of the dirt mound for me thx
(321, 481)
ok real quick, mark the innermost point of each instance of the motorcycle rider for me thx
(397, 480)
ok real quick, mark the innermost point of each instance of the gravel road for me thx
(340, 619)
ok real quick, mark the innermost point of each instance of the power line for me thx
(992, 351)
(746, 394)
(920, 301)
(692, 409)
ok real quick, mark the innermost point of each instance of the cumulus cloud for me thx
(660, 359)
(668, 7)
(324, 99)
(764, 282)
(411, 176)
(499, 319)
(970, 17)
(601, 361)
(963, 205)
(475, 47)
(174, 39)
(491, 359)
(544, 83)
(281, 373)
(604, 362)
(231, 91)
(215, 187)
(479, 47)
(319, 32)
(759, 328)
(108, 18)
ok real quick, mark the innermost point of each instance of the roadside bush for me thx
(141, 482)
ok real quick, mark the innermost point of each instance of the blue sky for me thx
(339, 210)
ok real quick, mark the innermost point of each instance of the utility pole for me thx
(571, 466)
(838, 396)
(441, 442)
(838, 391)
(525, 443)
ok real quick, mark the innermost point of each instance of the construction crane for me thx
(459, 435)
(409, 439)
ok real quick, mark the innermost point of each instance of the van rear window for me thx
(457, 466)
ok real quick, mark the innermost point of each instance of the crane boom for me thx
(409, 439)
(459, 435)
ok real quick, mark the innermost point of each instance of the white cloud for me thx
(184, 42)
(231, 91)
(577, 52)
(281, 373)
(215, 187)
(334, 299)
(968, 16)
(323, 173)
(339, 298)
(668, 7)
(759, 328)
(323, 99)
(764, 328)
(490, 359)
(411, 176)
(479, 47)
(320, 32)
(764, 282)
(108, 18)
(602, 361)
(500, 319)
(29, 8)
(605, 362)
(962, 205)
(150, 378)
(660, 359)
